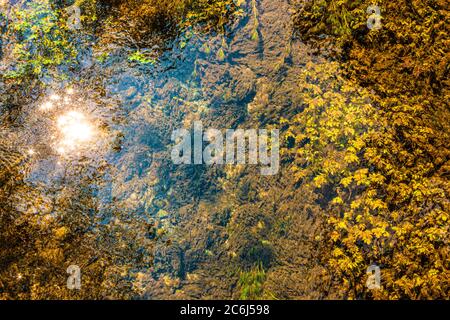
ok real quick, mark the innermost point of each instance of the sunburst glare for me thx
(76, 131)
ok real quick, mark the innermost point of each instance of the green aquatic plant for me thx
(221, 53)
(140, 57)
(251, 283)
(206, 48)
(103, 57)
(255, 32)
(337, 18)
(41, 41)
(209, 15)
(184, 19)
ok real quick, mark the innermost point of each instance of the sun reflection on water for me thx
(76, 131)
(72, 130)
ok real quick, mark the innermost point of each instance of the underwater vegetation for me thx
(394, 208)
(91, 91)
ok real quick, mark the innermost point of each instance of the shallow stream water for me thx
(131, 109)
